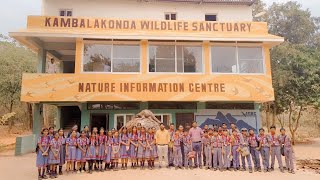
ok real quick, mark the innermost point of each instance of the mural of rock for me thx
(146, 118)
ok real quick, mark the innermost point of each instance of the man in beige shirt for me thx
(162, 140)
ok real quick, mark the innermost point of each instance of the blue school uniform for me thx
(141, 149)
(72, 149)
(54, 147)
(101, 148)
(115, 148)
(42, 161)
(133, 148)
(109, 142)
(151, 151)
(91, 152)
(124, 153)
(83, 143)
(62, 141)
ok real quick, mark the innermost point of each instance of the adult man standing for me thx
(162, 140)
(196, 134)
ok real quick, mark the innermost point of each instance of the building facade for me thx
(203, 60)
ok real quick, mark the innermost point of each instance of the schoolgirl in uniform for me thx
(108, 150)
(235, 142)
(51, 133)
(187, 147)
(254, 150)
(42, 153)
(115, 156)
(62, 141)
(206, 146)
(288, 150)
(142, 146)
(244, 143)
(177, 156)
(82, 143)
(264, 147)
(151, 151)
(124, 148)
(226, 149)
(101, 149)
(54, 155)
(92, 151)
(134, 147)
(71, 150)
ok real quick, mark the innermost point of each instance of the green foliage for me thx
(14, 60)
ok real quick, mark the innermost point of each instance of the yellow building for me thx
(203, 60)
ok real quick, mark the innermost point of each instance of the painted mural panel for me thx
(242, 118)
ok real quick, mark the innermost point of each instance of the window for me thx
(122, 119)
(210, 17)
(250, 59)
(111, 58)
(237, 59)
(224, 59)
(65, 12)
(175, 58)
(164, 118)
(170, 16)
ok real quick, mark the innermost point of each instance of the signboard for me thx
(146, 26)
(145, 87)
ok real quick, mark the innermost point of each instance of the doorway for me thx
(99, 120)
(184, 118)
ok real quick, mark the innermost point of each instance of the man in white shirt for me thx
(51, 67)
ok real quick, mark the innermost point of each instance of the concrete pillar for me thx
(85, 115)
(143, 105)
(258, 115)
(37, 118)
(42, 59)
(61, 67)
(59, 118)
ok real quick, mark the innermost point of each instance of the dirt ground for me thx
(307, 155)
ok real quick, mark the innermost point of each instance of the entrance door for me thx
(183, 118)
(100, 120)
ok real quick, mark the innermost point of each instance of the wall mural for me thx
(242, 118)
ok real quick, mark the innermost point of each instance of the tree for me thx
(14, 60)
(295, 63)
(290, 21)
(296, 81)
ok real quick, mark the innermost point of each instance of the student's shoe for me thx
(160, 167)
(243, 169)
(60, 173)
(39, 177)
(200, 167)
(187, 167)
(281, 170)
(292, 171)
(271, 169)
(176, 167)
(214, 169)
(265, 170)
(191, 167)
(250, 171)
(259, 169)
(44, 177)
(90, 171)
(168, 167)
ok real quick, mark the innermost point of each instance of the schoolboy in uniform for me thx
(288, 150)
(244, 143)
(187, 147)
(226, 149)
(177, 155)
(170, 149)
(217, 151)
(275, 149)
(254, 150)
(264, 147)
(206, 146)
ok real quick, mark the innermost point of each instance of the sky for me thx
(13, 13)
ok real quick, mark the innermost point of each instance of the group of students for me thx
(104, 150)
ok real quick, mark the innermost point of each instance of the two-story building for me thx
(185, 60)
